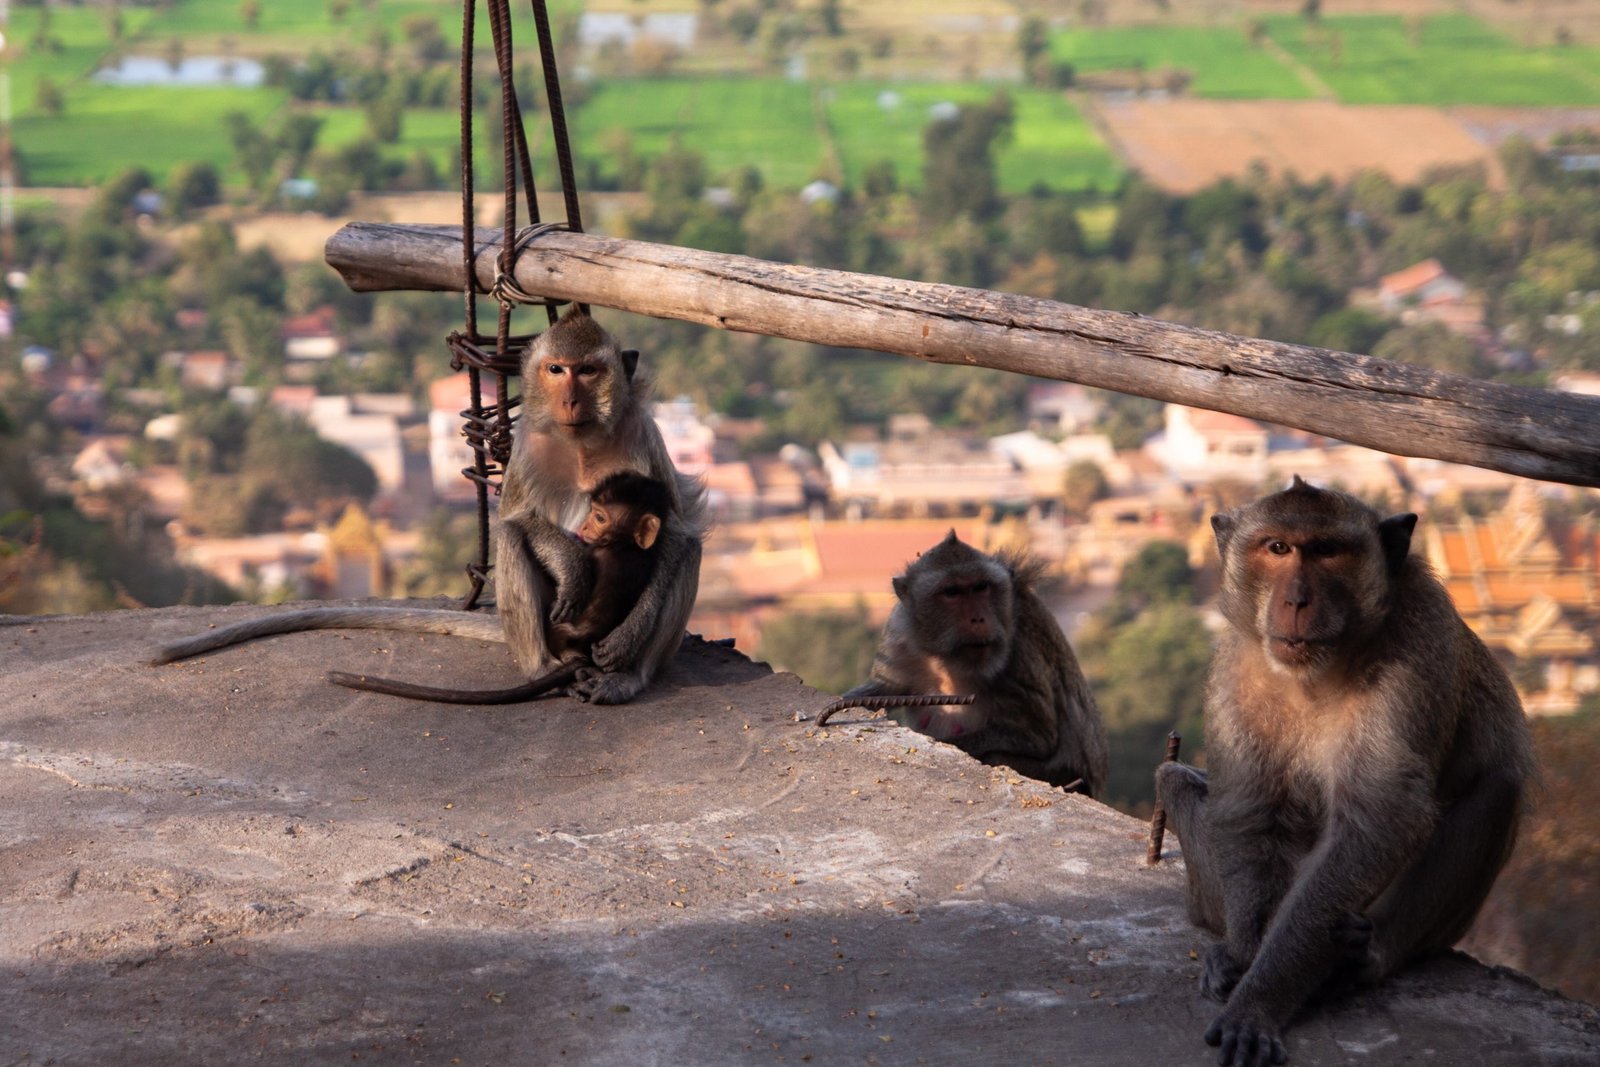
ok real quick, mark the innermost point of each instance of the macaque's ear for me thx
(900, 587)
(1222, 526)
(1395, 535)
(630, 362)
(646, 530)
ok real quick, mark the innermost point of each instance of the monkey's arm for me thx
(1250, 860)
(887, 678)
(1375, 826)
(874, 687)
(562, 557)
(1011, 734)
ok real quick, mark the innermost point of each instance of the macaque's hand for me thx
(568, 601)
(614, 651)
(1247, 1039)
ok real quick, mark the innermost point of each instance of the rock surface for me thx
(229, 860)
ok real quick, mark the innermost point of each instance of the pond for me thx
(187, 72)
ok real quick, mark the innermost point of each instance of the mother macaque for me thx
(586, 416)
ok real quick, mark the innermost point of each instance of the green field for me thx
(1221, 59)
(103, 129)
(1051, 142)
(107, 130)
(1442, 60)
(730, 121)
(1054, 145)
(792, 130)
(77, 37)
(297, 27)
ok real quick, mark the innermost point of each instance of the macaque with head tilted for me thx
(1366, 755)
(586, 416)
(970, 624)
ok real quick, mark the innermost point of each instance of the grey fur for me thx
(1361, 795)
(1033, 709)
(537, 565)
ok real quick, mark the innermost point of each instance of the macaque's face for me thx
(613, 523)
(597, 525)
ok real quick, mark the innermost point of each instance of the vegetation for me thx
(383, 79)
(1146, 654)
(831, 650)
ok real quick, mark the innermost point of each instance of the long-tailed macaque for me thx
(1367, 758)
(615, 548)
(585, 417)
(969, 623)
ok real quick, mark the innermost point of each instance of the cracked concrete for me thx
(229, 860)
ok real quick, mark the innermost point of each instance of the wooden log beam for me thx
(1393, 407)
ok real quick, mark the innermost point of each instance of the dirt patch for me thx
(299, 237)
(1185, 145)
(1494, 125)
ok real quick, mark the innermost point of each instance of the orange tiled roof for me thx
(454, 393)
(1412, 278)
(880, 549)
(315, 323)
(1465, 595)
(1206, 421)
(1507, 591)
(1454, 546)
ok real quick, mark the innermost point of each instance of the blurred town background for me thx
(193, 408)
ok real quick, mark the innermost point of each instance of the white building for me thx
(375, 438)
(448, 451)
(1201, 445)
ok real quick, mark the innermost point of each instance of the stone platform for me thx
(230, 861)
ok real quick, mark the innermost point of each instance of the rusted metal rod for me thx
(1158, 818)
(1395, 407)
(919, 700)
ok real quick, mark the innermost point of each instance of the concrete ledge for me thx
(229, 860)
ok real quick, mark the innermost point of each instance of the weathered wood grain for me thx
(1393, 407)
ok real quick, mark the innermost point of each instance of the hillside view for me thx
(196, 410)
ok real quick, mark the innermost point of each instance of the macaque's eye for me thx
(588, 370)
(981, 587)
(554, 369)
(1279, 548)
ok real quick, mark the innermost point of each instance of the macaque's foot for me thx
(600, 687)
(1359, 965)
(1220, 975)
